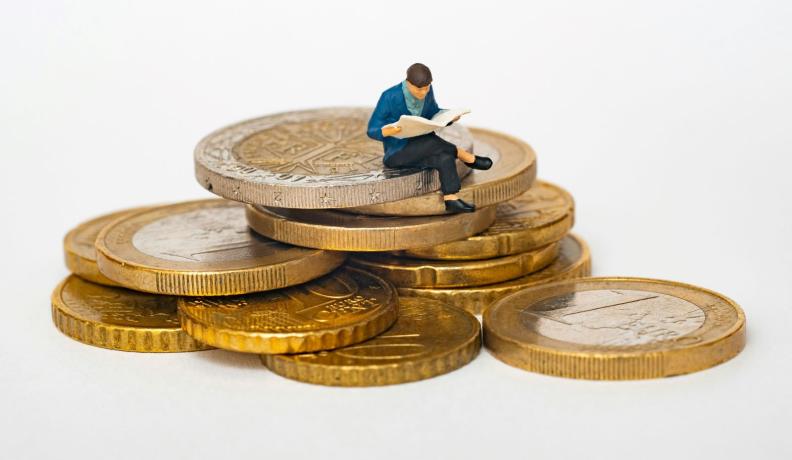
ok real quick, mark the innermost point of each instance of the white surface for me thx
(668, 121)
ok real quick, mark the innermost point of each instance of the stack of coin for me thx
(266, 270)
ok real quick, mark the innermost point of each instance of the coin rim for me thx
(420, 273)
(208, 282)
(90, 332)
(267, 222)
(604, 364)
(477, 299)
(358, 375)
(294, 342)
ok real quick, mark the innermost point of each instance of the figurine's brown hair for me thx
(419, 75)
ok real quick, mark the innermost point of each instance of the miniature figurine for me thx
(414, 96)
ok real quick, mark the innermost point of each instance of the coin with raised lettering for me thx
(419, 273)
(614, 329)
(119, 319)
(202, 248)
(345, 307)
(542, 215)
(573, 261)
(311, 159)
(79, 250)
(429, 339)
(341, 231)
(512, 173)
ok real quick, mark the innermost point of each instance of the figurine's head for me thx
(419, 80)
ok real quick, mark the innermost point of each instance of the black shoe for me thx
(480, 163)
(457, 206)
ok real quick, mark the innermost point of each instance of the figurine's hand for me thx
(390, 130)
(456, 119)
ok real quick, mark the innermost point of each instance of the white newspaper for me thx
(412, 125)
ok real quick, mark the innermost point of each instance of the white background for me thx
(668, 121)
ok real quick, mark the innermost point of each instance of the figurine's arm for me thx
(379, 118)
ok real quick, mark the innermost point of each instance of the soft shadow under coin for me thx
(232, 359)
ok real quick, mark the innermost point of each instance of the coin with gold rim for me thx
(429, 339)
(341, 231)
(512, 173)
(119, 319)
(345, 307)
(574, 260)
(409, 272)
(79, 250)
(202, 248)
(614, 329)
(542, 215)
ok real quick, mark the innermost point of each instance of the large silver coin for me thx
(311, 159)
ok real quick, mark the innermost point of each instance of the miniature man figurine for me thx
(414, 96)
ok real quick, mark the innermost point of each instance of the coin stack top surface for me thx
(309, 159)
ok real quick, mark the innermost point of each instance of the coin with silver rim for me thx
(312, 159)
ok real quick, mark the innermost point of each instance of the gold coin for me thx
(119, 319)
(574, 260)
(311, 159)
(202, 248)
(542, 215)
(427, 340)
(79, 250)
(407, 272)
(512, 173)
(327, 229)
(345, 307)
(614, 329)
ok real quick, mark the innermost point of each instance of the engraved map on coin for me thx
(613, 317)
(117, 306)
(203, 235)
(339, 298)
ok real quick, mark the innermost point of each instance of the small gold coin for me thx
(408, 272)
(327, 229)
(614, 329)
(312, 159)
(574, 260)
(538, 217)
(345, 307)
(202, 248)
(512, 173)
(119, 319)
(429, 339)
(79, 250)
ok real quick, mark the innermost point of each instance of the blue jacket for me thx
(390, 108)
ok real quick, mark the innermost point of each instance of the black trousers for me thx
(430, 151)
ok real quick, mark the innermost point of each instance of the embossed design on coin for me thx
(79, 250)
(203, 248)
(309, 159)
(538, 217)
(427, 340)
(614, 328)
(573, 261)
(613, 317)
(342, 308)
(118, 318)
(215, 234)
